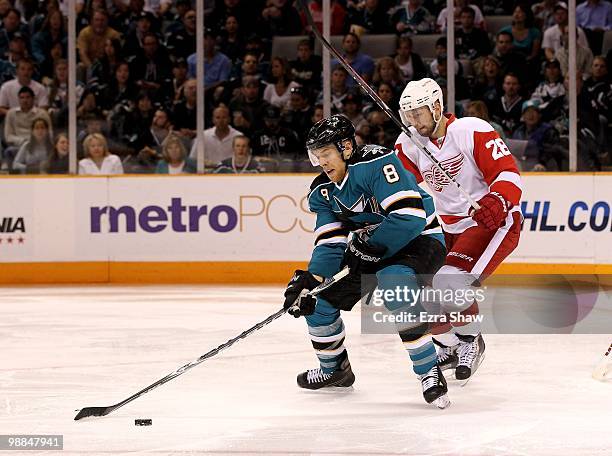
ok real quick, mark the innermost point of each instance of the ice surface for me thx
(64, 348)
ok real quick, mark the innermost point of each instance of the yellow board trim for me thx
(234, 272)
(43, 273)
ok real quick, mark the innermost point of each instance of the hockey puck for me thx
(143, 422)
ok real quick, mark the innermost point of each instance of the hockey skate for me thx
(470, 354)
(447, 356)
(315, 379)
(435, 388)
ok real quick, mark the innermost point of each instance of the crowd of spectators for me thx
(138, 96)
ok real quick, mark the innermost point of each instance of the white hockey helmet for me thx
(424, 92)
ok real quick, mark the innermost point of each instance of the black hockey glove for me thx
(297, 302)
(361, 257)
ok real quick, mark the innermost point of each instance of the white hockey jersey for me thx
(474, 154)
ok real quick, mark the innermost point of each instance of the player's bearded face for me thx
(332, 163)
(421, 119)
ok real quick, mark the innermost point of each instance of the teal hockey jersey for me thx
(376, 192)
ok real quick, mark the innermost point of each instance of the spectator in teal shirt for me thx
(527, 38)
(175, 159)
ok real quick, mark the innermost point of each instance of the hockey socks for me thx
(420, 347)
(326, 332)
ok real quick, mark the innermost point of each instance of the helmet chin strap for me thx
(433, 115)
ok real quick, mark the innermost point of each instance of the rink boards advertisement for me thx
(251, 219)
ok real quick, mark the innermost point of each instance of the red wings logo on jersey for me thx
(436, 179)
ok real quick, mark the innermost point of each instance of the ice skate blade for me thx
(442, 402)
(330, 390)
(446, 367)
(462, 383)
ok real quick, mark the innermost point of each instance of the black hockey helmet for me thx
(332, 130)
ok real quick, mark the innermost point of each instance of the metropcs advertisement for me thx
(251, 218)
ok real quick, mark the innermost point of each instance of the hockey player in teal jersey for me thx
(365, 194)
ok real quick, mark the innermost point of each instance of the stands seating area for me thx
(137, 93)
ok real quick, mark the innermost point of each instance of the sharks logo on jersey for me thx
(364, 211)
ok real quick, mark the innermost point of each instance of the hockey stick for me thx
(604, 368)
(103, 411)
(374, 96)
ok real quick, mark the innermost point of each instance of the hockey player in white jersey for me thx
(477, 241)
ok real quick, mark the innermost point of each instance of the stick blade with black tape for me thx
(93, 411)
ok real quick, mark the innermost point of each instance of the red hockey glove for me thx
(492, 212)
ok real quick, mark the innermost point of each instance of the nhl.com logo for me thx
(12, 231)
